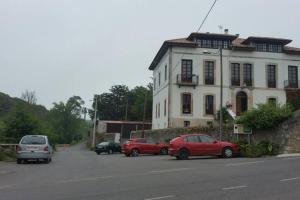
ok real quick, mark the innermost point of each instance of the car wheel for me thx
(135, 152)
(184, 154)
(98, 153)
(227, 152)
(47, 160)
(164, 151)
(19, 161)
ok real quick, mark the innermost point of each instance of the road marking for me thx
(6, 187)
(289, 179)
(163, 197)
(235, 187)
(170, 170)
(244, 163)
(293, 158)
(84, 179)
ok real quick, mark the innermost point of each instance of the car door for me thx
(141, 144)
(193, 144)
(152, 147)
(209, 145)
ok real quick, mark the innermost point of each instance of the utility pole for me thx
(144, 116)
(221, 93)
(95, 120)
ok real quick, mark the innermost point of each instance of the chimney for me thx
(226, 31)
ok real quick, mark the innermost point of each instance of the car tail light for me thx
(18, 148)
(46, 148)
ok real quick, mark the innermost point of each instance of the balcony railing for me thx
(291, 84)
(187, 80)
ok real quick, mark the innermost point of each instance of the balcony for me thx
(291, 84)
(187, 80)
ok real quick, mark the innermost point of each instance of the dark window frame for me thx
(271, 76)
(247, 74)
(235, 74)
(186, 103)
(186, 70)
(209, 72)
(209, 104)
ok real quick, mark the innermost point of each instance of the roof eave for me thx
(164, 48)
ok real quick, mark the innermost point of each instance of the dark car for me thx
(108, 147)
(134, 147)
(201, 145)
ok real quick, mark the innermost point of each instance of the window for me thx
(266, 47)
(225, 44)
(158, 110)
(206, 139)
(192, 138)
(272, 100)
(186, 103)
(235, 74)
(155, 110)
(186, 70)
(166, 72)
(209, 72)
(158, 79)
(209, 104)
(206, 43)
(293, 76)
(271, 76)
(248, 74)
(33, 140)
(187, 123)
(154, 83)
(165, 107)
(275, 48)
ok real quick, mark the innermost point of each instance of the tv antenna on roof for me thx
(220, 28)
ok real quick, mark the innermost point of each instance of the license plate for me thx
(32, 148)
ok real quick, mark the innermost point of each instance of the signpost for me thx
(239, 129)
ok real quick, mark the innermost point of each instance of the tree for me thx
(29, 97)
(66, 119)
(20, 123)
(121, 103)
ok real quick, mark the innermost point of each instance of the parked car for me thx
(34, 147)
(201, 145)
(108, 147)
(137, 146)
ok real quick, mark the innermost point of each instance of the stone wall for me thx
(286, 134)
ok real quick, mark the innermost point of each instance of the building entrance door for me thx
(241, 103)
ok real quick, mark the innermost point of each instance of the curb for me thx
(288, 155)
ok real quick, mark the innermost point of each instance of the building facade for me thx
(187, 76)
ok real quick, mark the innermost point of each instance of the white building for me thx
(187, 76)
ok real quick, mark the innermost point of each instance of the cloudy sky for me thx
(61, 48)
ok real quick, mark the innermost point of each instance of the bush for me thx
(265, 116)
(257, 150)
(7, 154)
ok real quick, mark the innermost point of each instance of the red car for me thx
(134, 147)
(201, 145)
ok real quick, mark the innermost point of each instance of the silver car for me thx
(34, 147)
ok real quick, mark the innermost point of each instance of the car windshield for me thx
(33, 140)
(104, 143)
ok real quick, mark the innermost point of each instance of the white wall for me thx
(160, 94)
(260, 92)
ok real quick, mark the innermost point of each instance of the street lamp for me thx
(95, 118)
(221, 92)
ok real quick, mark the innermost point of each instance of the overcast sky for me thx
(61, 48)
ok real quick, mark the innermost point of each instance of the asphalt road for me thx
(76, 173)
